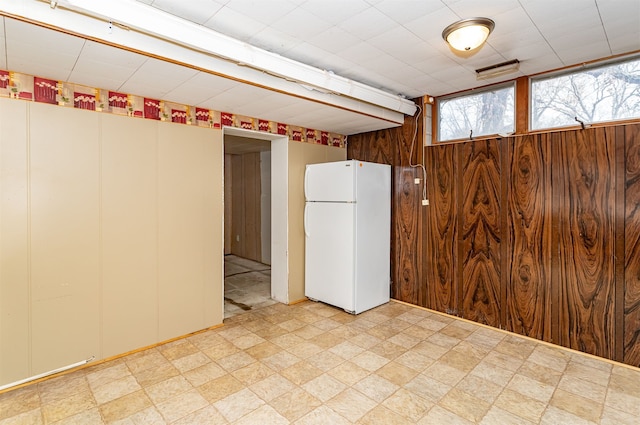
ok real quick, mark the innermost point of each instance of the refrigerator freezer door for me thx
(330, 182)
(329, 253)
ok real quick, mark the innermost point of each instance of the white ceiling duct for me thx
(250, 64)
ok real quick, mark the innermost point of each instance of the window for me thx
(477, 114)
(605, 93)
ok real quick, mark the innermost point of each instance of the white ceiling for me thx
(393, 45)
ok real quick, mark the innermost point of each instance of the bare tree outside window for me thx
(484, 113)
(606, 93)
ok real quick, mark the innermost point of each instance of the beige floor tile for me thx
(91, 416)
(589, 374)
(321, 416)
(151, 360)
(325, 360)
(625, 380)
(190, 362)
(370, 361)
(181, 405)
(252, 373)
(531, 388)
(168, 389)
(348, 373)
(148, 416)
(324, 387)
(376, 388)
(351, 404)
(26, 399)
(115, 389)
(206, 416)
(444, 373)
(281, 360)
(481, 388)
(492, 373)
(521, 405)
(408, 404)
(107, 375)
(612, 416)
(549, 357)
(73, 405)
(579, 406)
(346, 350)
(586, 389)
(428, 388)
(203, 374)
(239, 404)
(415, 361)
(465, 405)
(271, 387)
(397, 373)
(220, 388)
(263, 350)
(365, 340)
(31, 417)
(438, 416)
(301, 372)
(623, 402)
(305, 349)
(224, 349)
(499, 416)
(124, 407)
(235, 361)
(555, 416)
(178, 349)
(265, 415)
(381, 415)
(295, 404)
(147, 377)
(395, 364)
(540, 373)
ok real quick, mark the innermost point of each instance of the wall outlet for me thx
(416, 180)
(237, 238)
(425, 202)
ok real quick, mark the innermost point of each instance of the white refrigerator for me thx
(347, 225)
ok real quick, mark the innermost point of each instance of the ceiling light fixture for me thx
(468, 34)
(497, 69)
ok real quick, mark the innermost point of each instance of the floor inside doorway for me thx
(247, 285)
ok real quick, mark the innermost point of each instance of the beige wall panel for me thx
(185, 245)
(213, 227)
(129, 234)
(64, 147)
(301, 154)
(228, 217)
(14, 266)
(336, 154)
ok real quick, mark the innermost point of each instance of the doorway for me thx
(255, 224)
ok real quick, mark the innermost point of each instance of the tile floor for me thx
(314, 364)
(247, 285)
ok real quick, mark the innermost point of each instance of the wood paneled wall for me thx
(536, 234)
(244, 193)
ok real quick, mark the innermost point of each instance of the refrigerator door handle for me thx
(306, 172)
(305, 221)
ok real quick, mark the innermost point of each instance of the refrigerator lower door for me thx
(330, 253)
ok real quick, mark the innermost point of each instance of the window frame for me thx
(472, 92)
(576, 69)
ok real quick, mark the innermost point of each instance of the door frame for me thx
(279, 209)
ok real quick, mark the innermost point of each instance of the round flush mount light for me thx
(468, 34)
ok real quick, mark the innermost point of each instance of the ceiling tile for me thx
(198, 11)
(335, 15)
(301, 24)
(199, 88)
(367, 24)
(406, 10)
(334, 40)
(156, 78)
(234, 24)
